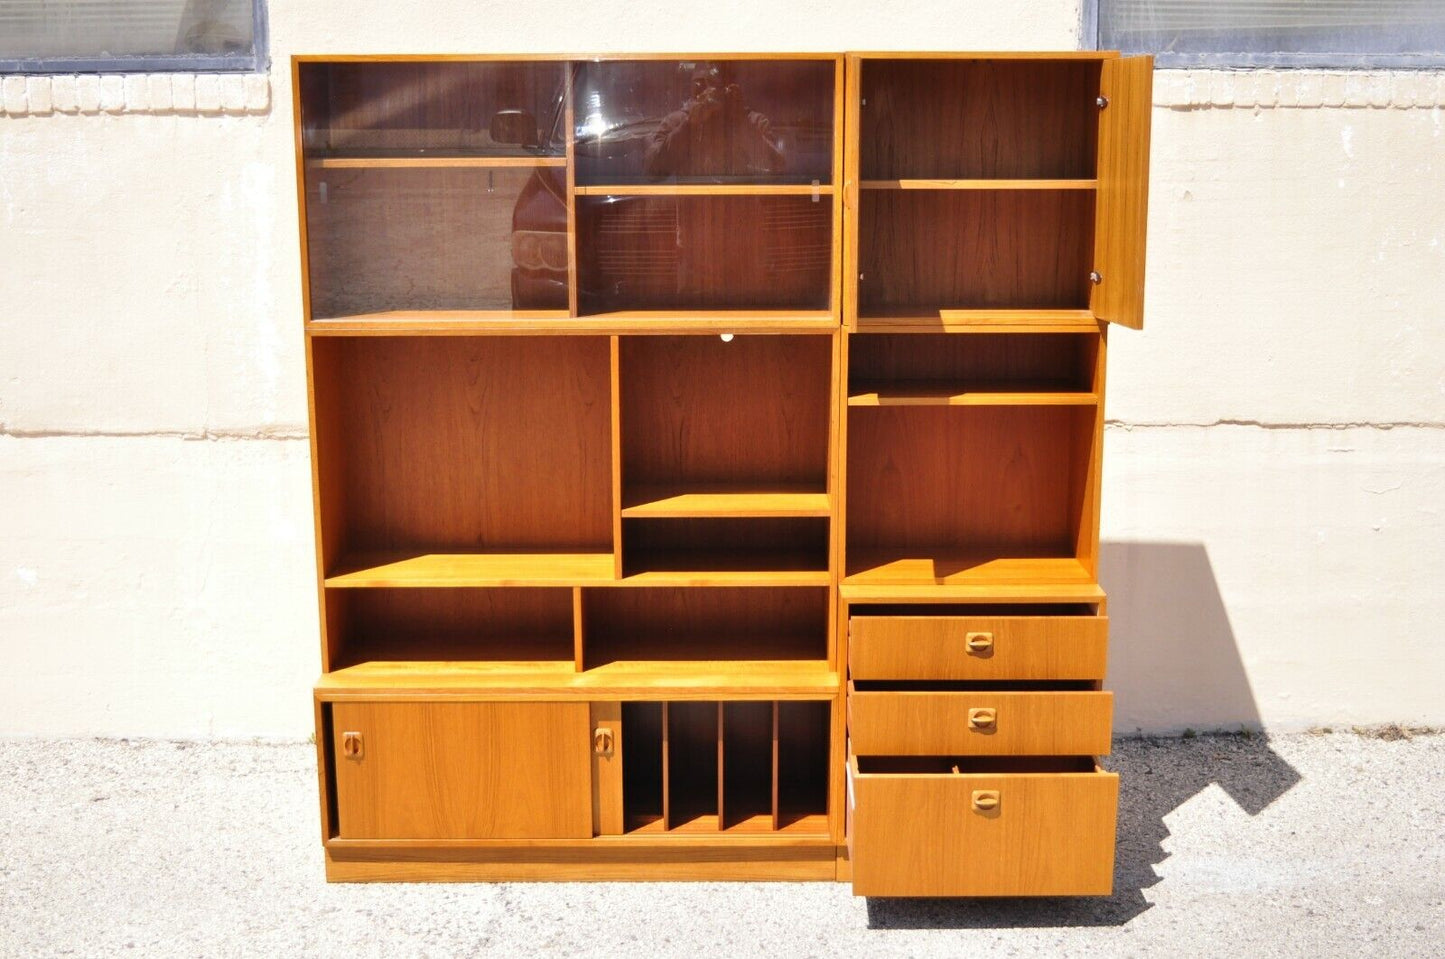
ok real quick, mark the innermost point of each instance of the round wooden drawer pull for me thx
(982, 718)
(985, 800)
(978, 642)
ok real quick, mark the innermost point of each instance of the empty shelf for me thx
(979, 184)
(675, 501)
(472, 569)
(942, 393)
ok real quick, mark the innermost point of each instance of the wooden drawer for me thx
(461, 770)
(919, 829)
(946, 721)
(977, 647)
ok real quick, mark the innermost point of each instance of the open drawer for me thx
(978, 719)
(977, 647)
(938, 826)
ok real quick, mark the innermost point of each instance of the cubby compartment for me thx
(950, 119)
(923, 369)
(732, 626)
(803, 737)
(704, 121)
(714, 428)
(388, 240)
(722, 252)
(463, 461)
(751, 545)
(381, 628)
(922, 253)
(435, 112)
(1003, 494)
(744, 767)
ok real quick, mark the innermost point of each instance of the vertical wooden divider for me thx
(607, 778)
(666, 774)
(720, 809)
(849, 192)
(568, 115)
(616, 403)
(836, 258)
(578, 647)
(1086, 546)
(776, 817)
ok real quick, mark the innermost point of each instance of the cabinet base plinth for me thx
(581, 865)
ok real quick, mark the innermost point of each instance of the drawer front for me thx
(1042, 834)
(978, 647)
(414, 770)
(911, 723)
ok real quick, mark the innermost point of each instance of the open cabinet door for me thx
(1123, 196)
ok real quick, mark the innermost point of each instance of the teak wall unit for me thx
(706, 456)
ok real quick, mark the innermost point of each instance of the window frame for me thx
(1278, 60)
(257, 61)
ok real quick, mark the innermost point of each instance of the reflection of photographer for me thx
(714, 132)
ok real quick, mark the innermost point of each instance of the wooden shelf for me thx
(659, 502)
(984, 184)
(706, 189)
(980, 321)
(633, 679)
(985, 568)
(535, 322)
(434, 159)
(703, 568)
(409, 569)
(941, 393)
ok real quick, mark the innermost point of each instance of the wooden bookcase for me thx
(706, 456)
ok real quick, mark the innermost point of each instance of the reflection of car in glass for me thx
(539, 218)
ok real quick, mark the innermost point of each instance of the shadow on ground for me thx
(1174, 661)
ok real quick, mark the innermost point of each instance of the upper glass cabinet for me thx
(704, 121)
(415, 109)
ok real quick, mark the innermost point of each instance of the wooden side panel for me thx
(920, 835)
(463, 770)
(978, 647)
(933, 723)
(1123, 196)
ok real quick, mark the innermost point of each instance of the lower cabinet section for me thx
(930, 826)
(461, 770)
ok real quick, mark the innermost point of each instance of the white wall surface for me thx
(1275, 460)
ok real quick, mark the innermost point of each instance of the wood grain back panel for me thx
(457, 443)
(464, 771)
(698, 410)
(967, 119)
(1063, 361)
(964, 477)
(704, 253)
(1123, 200)
(974, 249)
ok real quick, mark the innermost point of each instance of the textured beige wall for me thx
(1275, 462)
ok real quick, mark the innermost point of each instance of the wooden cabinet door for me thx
(1122, 211)
(412, 770)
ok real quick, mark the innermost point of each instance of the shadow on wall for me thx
(1174, 665)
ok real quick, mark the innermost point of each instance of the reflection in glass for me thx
(704, 121)
(433, 109)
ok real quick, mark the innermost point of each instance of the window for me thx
(1279, 33)
(117, 36)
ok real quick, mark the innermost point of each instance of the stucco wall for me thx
(1275, 459)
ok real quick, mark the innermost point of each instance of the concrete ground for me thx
(1309, 845)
